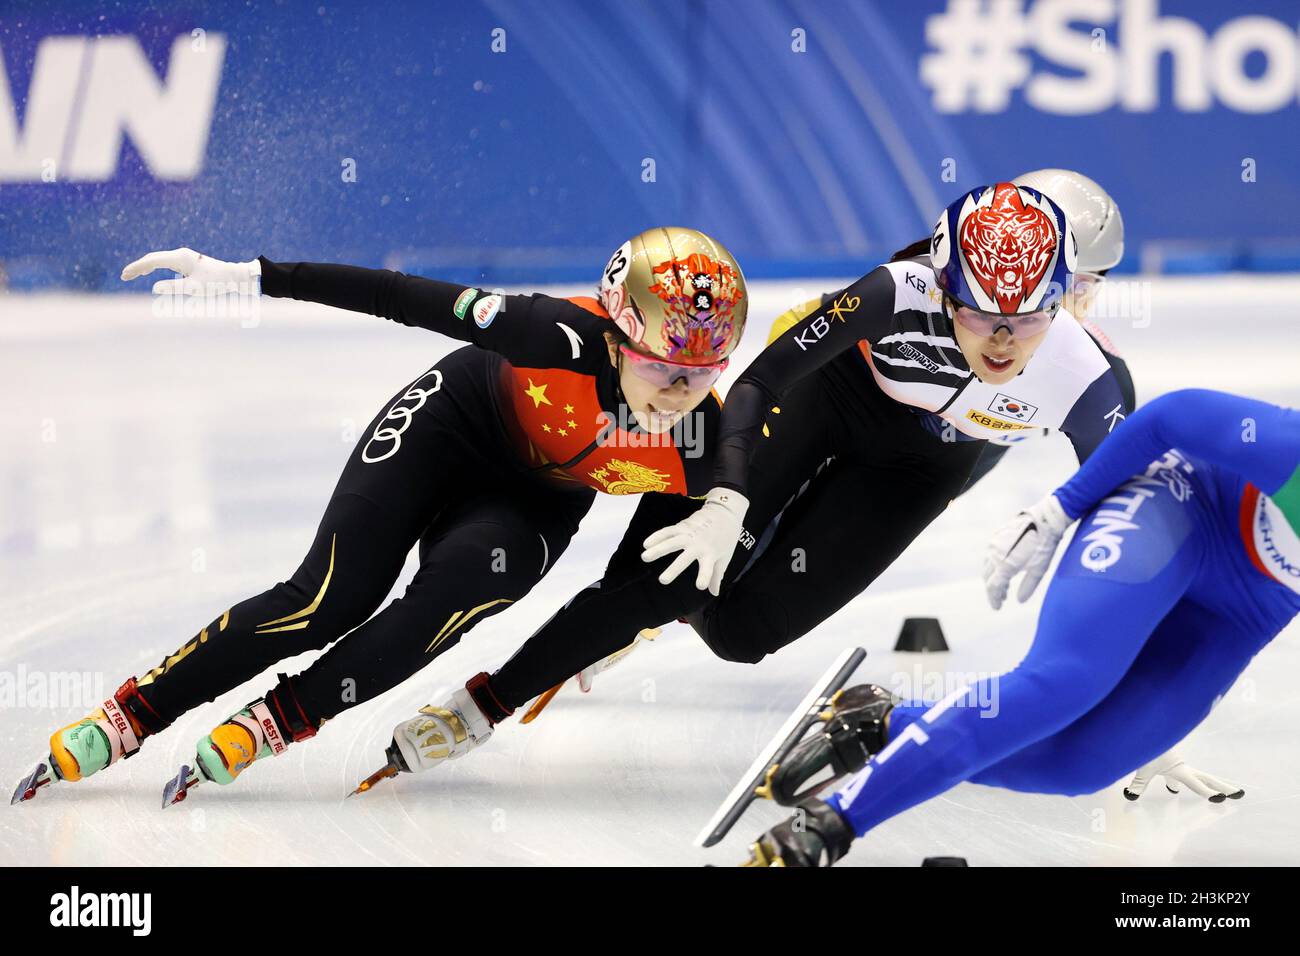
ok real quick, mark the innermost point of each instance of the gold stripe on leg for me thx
(320, 596)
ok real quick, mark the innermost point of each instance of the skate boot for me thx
(264, 728)
(232, 746)
(113, 731)
(443, 733)
(817, 837)
(856, 728)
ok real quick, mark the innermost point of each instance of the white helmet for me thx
(1093, 215)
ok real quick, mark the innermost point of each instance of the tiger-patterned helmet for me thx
(1004, 249)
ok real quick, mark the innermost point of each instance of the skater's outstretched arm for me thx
(534, 331)
(1257, 440)
(865, 310)
(408, 300)
(524, 328)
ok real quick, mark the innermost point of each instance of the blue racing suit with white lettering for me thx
(1174, 580)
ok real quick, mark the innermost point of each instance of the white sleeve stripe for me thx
(935, 340)
(909, 363)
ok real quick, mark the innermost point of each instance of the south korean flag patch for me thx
(1013, 408)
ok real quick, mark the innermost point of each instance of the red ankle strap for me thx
(480, 688)
(145, 721)
(289, 713)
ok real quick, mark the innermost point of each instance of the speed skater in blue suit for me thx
(1185, 564)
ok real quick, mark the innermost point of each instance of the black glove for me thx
(815, 836)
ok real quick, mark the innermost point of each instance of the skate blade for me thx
(540, 704)
(27, 787)
(383, 773)
(178, 787)
(757, 777)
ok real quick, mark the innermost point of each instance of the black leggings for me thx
(888, 480)
(487, 535)
(844, 481)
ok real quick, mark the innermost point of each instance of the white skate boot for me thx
(442, 733)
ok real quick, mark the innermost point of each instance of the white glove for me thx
(709, 536)
(1171, 767)
(588, 674)
(200, 275)
(1025, 543)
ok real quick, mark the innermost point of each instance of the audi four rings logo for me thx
(388, 438)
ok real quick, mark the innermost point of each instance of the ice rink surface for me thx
(155, 470)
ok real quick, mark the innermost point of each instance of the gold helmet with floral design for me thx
(677, 294)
